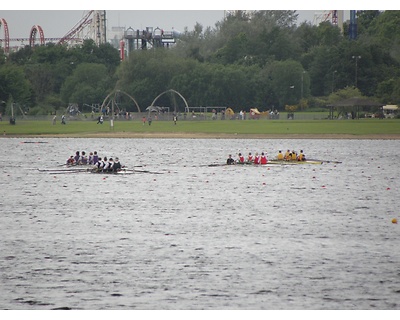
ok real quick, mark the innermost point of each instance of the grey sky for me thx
(57, 18)
(57, 23)
(60, 22)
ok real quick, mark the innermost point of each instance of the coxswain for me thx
(301, 156)
(230, 160)
(71, 161)
(117, 165)
(250, 157)
(257, 159)
(263, 158)
(280, 155)
(240, 158)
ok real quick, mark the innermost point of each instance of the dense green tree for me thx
(288, 82)
(88, 84)
(250, 58)
(14, 87)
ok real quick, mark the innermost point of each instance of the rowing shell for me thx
(270, 163)
(283, 162)
(87, 170)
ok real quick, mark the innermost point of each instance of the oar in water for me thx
(326, 161)
(147, 171)
(65, 170)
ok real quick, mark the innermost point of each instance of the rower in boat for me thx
(77, 156)
(287, 156)
(263, 158)
(256, 159)
(301, 156)
(99, 165)
(90, 158)
(230, 160)
(108, 167)
(83, 160)
(280, 155)
(95, 157)
(250, 158)
(294, 155)
(240, 158)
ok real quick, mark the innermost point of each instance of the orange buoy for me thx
(394, 220)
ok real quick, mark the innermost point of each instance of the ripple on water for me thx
(284, 237)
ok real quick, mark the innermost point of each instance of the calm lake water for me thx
(198, 237)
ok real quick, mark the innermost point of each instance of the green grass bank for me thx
(385, 128)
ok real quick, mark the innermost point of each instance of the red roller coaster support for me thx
(6, 35)
(35, 29)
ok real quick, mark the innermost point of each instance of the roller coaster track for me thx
(37, 30)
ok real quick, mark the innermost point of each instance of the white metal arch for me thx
(174, 91)
(119, 91)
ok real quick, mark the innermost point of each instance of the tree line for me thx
(260, 59)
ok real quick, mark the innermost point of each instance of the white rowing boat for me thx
(123, 171)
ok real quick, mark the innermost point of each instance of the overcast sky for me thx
(57, 20)
(56, 24)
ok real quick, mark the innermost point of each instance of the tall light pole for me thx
(333, 80)
(356, 58)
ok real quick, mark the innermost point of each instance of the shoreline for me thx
(183, 135)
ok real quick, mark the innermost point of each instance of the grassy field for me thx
(362, 127)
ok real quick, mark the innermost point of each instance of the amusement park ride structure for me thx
(93, 26)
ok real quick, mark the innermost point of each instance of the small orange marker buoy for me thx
(394, 221)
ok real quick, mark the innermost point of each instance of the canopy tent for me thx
(354, 103)
(392, 107)
(229, 112)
